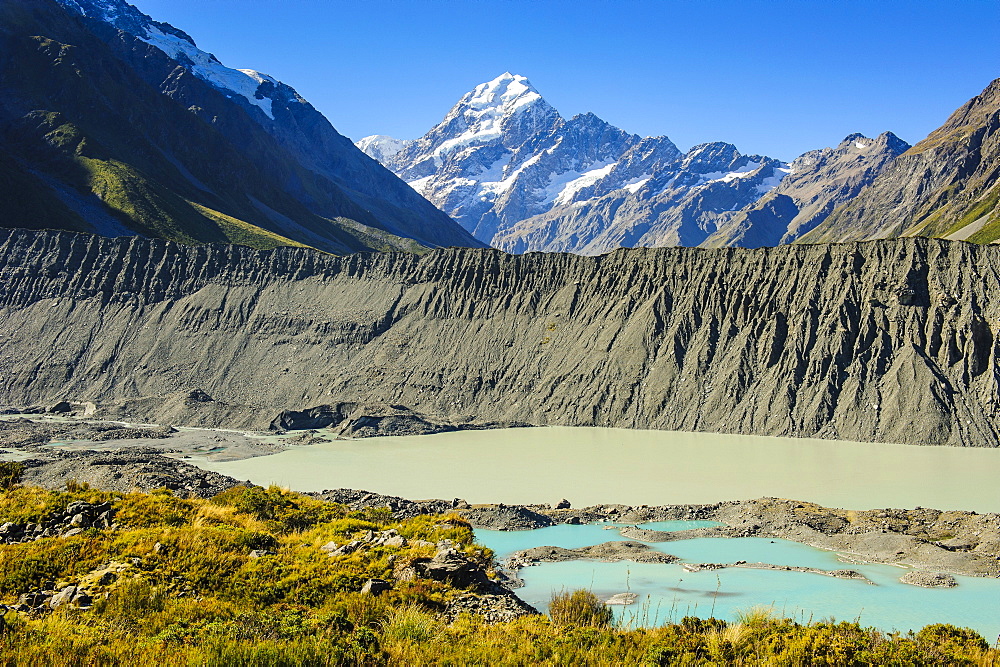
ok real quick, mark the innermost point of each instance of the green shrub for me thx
(10, 473)
(285, 510)
(132, 598)
(29, 565)
(581, 607)
(144, 510)
(951, 642)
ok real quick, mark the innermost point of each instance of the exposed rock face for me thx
(818, 182)
(492, 608)
(71, 521)
(945, 186)
(885, 341)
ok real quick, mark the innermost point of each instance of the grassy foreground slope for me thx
(242, 579)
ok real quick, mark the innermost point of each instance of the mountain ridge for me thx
(947, 185)
(106, 132)
(529, 180)
(887, 341)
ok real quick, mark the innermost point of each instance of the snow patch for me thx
(725, 177)
(493, 188)
(420, 184)
(636, 184)
(563, 187)
(771, 182)
(860, 145)
(487, 107)
(206, 67)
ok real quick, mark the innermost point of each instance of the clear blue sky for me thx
(778, 77)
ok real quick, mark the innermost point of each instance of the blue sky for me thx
(777, 77)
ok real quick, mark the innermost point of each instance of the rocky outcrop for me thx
(77, 517)
(609, 552)
(481, 595)
(491, 608)
(929, 579)
(401, 508)
(888, 341)
(944, 186)
(122, 471)
(505, 517)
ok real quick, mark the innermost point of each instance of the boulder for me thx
(396, 541)
(375, 587)
(65, 596)
(453, 568)
(348, 548)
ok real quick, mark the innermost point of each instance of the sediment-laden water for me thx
(601, 465)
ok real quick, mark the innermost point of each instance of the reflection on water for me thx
(600, 465)
(668, 593)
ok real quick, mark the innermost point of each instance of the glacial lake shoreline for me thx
(682, 476)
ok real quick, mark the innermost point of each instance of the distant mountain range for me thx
(114, 123)
(518, 176)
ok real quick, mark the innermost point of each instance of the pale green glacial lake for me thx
(600, 465)
(668, 593)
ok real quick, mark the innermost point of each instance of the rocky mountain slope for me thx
(882, 341)
(948, 185)
(115, 123)
(511, 170)
(817, 183)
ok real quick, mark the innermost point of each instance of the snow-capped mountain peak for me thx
(505, 94)
(519, 176)
(507, 109)
(381, 147)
